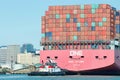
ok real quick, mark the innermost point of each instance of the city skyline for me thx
(20, 21)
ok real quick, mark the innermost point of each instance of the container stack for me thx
(80, 23)
(117, 24)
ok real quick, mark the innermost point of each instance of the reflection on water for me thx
(75, 77)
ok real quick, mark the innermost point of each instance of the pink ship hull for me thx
(83, 60)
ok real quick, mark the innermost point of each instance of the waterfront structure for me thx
(37, 51)
(82, 38)
(28, 47)
(8, 55)
(18, 67)
(28, 58)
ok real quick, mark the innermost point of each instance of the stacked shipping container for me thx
(117, 23)
(80, 22)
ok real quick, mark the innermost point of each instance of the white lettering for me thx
(75, 53)
(70, 61)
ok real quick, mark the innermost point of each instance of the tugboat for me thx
(50, 68)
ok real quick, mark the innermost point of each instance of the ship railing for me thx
(88, 44)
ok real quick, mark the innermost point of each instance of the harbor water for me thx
(69, 77)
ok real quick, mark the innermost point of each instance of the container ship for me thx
(82, 38)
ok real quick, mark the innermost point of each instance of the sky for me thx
(20, 20)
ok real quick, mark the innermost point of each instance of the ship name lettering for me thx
(75, 53)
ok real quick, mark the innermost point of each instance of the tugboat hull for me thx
(46, 73)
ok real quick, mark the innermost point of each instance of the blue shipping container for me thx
(117, 13)
(78, 28)
(48, 34)
(67, 20)
(75, 20)
(92, 28)
(117, 28)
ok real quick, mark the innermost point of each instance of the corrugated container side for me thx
(80, 22)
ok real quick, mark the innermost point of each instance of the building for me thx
(37, 51)
(28, 58)
(28, 47)
(3, 55)
(8, 55)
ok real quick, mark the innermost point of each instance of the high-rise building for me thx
(8, 55)
(3, 55)
(27, 47)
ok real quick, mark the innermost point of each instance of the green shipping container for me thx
(100, 24)
(93, 11)
(95, 6)
(104, 19)
(74, 37)
(67, 15)
(82, 15)
(82, 6)
(93, 23)
(43, 35)
(57, 16)
(78, 24)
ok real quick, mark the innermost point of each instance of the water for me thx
(75, 77)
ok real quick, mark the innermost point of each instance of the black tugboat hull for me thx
(46, 74)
